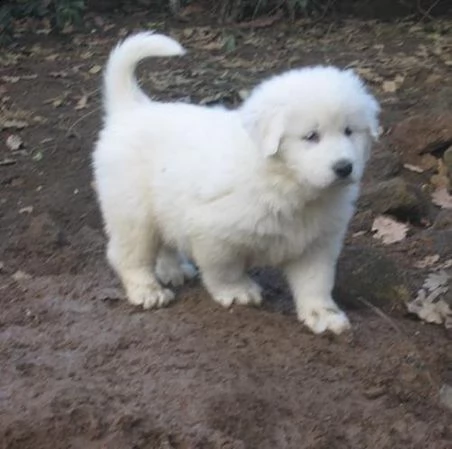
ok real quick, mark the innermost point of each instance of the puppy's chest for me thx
(276, 239)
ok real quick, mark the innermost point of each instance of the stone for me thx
(396, 197)
(420, 134)
(374, 392)
(383, 165)
(436, 242)
(369, 273)
(443, 220)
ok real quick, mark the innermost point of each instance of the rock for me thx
(374, 392)
(443, 220)
(368, 273)
(423, 133)
(397, 197)
(436, 242)
(383, 165)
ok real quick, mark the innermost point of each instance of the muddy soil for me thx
(82, 369)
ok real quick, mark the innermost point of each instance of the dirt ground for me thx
(82, 369)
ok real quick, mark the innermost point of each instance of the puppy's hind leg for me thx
(132, 252)
(172, 269)
(223, 273)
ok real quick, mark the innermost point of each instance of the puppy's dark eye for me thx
(348, 131)
(313, 136)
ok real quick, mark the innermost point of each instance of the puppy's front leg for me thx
(311, 278)
(223, 273)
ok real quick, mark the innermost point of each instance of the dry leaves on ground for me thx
(389, 230)
(441, 197)
(427, 261)
(14, 142)
(428, 305)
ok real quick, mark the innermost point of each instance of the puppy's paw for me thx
(246, 292)
(174, 273)
(323, 319)
(149, 296)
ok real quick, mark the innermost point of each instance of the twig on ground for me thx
(426, 13)
(83, 117)
(391, 322)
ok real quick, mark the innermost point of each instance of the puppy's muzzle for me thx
(343, 168)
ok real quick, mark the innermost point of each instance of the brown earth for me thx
(81, 369)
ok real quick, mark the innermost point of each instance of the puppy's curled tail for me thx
(120, 85)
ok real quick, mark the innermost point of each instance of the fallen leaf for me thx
(87, 55)
(436, 281)
(32, 76)
(389, 86)
(95, 69)
(413, 168)
(10, 79)
(441, 197)
(243, 94)
(57, 102)
(47, 140)
(217, 44)
(188, 32)
(20, 275)
(389, 230)
(13, 123)
(14, 142)
(368, 74)
(427, 261)
(427, 305)
(430, 311)
(212, 99)
(67, 29)
(39, 119)
(26, 210)
(82, 102)
(446, 264)
(37, 156)
(229, 43)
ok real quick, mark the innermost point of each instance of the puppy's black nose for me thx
(343, 168)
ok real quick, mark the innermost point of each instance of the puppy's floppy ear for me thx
(269, 131)
(371, 106)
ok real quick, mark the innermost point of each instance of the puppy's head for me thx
(320, 121)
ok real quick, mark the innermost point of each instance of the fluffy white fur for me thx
(231, 189)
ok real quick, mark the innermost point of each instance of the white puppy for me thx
(271, 183)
